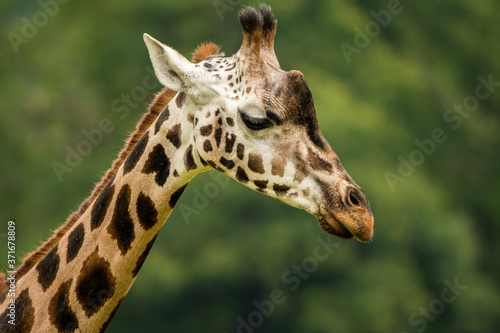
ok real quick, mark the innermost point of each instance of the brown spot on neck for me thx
(146, 211)
(174, 135)
(75, 242)
(189, 162)
(47, 268)
(95, 284)
(121, 227)
(101, 205)
(158, 163)
(161, 119)
(61, 314)
(136, 154)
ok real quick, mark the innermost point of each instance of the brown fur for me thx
(204, 51)
(159, 103)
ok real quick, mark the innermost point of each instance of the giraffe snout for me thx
(346, 212)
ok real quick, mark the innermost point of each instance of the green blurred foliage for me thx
(436, 226)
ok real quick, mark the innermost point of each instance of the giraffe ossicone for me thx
(241, 115)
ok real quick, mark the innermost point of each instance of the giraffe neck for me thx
(91, 269)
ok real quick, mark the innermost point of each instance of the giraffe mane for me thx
(159, 103)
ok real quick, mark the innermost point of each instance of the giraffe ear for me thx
(172, 69)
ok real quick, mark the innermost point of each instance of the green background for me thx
(436, 206)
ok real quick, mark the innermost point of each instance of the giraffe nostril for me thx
(353, 200)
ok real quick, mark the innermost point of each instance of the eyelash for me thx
(256, 124)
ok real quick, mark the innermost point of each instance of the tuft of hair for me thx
(157, 106)
(250, 19)
(270, 22)
(204, 51)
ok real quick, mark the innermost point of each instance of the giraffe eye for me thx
(256, 123)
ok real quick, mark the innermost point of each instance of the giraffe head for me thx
(257, 123)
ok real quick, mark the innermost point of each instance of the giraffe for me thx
(241, 115)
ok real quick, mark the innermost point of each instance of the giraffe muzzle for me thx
(348, 215)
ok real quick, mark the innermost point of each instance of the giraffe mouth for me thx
(333, 226)
(345, 229)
